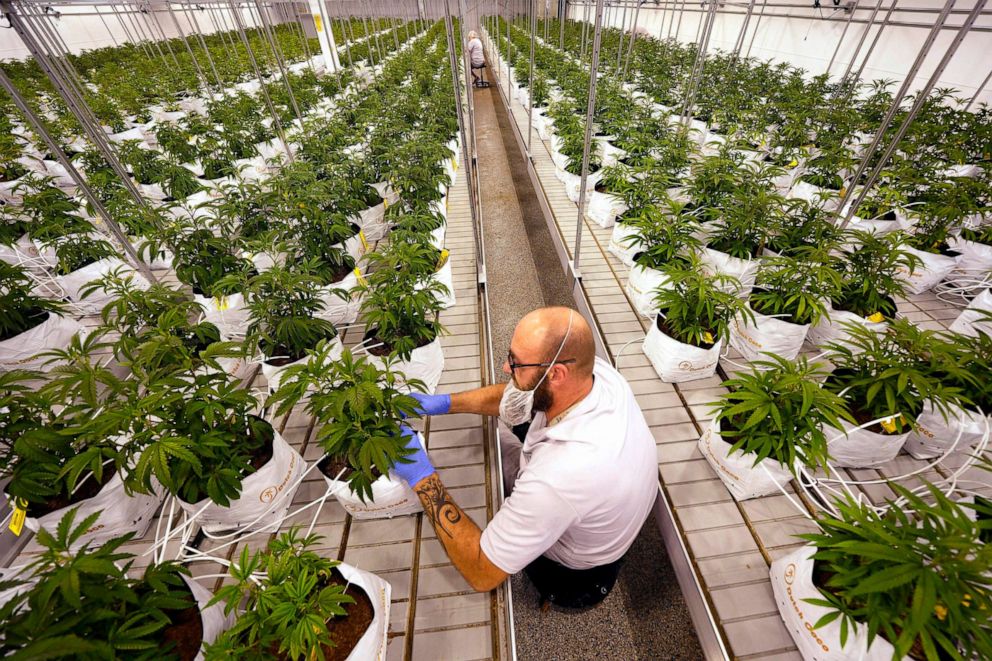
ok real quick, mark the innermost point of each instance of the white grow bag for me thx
(969, 322)
(372, 644)
(766, 334)
(120, 513)
(391, 496)
(830, 328)
(445, 277)
(860, 448)
(341, 308)
(72, 283)
(933, 435)
(738, 471)
(622, 245)
(212, 617)
(643, 284)
(930, 270)
(21, 351)
(676, 362)
(373, 222)
(792, 585)
(426, 363)
(228, 313)
(745, 270)
(273, 373)
(974, 265)
(266, 494)
(823, 197)
(603, 208)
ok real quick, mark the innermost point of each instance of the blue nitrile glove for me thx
(432, 404)
(417, 465)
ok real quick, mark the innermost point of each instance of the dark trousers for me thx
(572, 588)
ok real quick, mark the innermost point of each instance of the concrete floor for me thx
(645, 616)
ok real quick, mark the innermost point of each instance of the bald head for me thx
(542, 331)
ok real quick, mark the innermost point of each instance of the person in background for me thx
(580, 486)
(476, 56)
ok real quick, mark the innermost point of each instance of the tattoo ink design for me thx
(438, 506)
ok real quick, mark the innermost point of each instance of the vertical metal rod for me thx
(623, 29)
(189, 49)
(347, 41)
(590, 114)
(152, 18)
(585, 30)
(861, 39)
(127, 32)
(106, 27)
(463, 132)
(261, 82)
(896, 101)
(60, 155)
(561, 27)
(757, 24)
(747, 21)
(277, 54)
(847, 24)
(874, 42)
(699, 65)
(678, 28)
(633, 38)
(980, 89)
(918, 103)
(152, 42)
(530, 79)
(191, 17)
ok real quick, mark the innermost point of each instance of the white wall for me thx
(807, 40)
(85, 28)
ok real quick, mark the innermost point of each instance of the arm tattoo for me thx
(438, 506)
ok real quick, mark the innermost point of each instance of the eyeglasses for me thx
(514, 366)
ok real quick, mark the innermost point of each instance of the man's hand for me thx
(415, 466)
(432, 404)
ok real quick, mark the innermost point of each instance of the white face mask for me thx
(516, 406)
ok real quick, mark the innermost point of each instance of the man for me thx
(581, 485)
(476, 57)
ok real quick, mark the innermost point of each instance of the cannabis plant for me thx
(81, 603)
(22, 308)
(799, 287)
(360, 409)
(889, 375)
(401, 309)
(290, 594)
(914, 573)
(663, 234)
(873, 274)
(778, 411)
(697, 308)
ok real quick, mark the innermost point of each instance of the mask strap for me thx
(558, 353)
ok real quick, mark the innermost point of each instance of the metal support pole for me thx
(678, 28)
(978, 91)
(464, 133)
(919, 101)
(530, 85)
(561, 28)
(623, 27)
(633, 38)
(757, 24)
(106, 27)
(190, 16)
(152, 18)
(189, 49)
(864, 35)
(747, 20)
(585, 30)
(847, 24)
(874, 42)
(590, 113)
(265, 93)
(60, 155)
(277, 54)
(697, 70)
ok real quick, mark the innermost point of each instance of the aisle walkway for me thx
(645, 617)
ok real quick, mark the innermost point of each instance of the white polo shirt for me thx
(585, 486)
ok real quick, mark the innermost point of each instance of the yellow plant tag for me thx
(361, 278)
(454, 163)
(365, 243)
(793, 163)
(889, 424)
(318, 23)
(708, 338)
(442, 260)
(842, 190)
(17, 521)
(385, 204)
(221, 303)
(876, 318)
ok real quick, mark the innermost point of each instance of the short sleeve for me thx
(530, 521)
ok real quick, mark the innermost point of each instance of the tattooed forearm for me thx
(441, 511)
